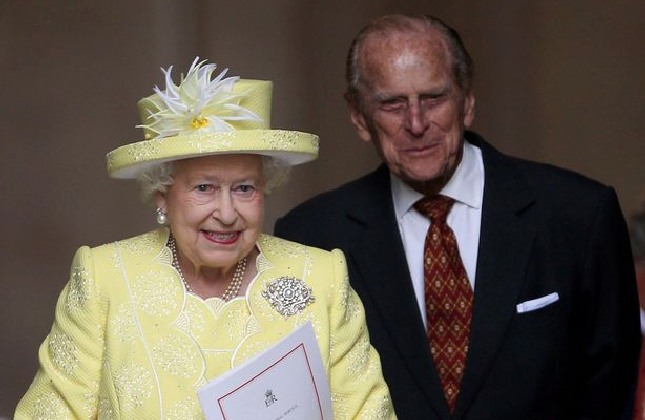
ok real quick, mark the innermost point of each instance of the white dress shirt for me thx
(466, 187)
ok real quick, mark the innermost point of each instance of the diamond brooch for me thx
(288, 295)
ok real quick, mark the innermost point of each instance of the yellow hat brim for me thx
(291, 147)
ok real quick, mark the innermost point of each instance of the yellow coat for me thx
(128, 342)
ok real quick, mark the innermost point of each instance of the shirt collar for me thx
(465, 186)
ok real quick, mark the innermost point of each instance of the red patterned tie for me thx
(448, 294)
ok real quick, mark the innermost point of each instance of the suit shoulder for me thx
(540, 176)
(551, 178)
(556, 191)
(339, 198)
(563, 195)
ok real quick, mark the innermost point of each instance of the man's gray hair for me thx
(463, 67)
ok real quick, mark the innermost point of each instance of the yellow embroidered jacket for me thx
(128, 342)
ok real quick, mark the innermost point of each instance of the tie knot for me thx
(435, 207)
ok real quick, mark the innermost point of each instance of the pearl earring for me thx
(161, 216)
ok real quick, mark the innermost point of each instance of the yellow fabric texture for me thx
(129, 343)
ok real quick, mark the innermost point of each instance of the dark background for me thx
(556, 81)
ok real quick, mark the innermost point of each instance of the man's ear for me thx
(358, 120)
(469, 109)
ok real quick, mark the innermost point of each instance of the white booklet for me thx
(285, 382)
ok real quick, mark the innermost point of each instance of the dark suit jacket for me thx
(543, 230)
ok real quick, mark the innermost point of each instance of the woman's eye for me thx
(204, 188)
(244, 189)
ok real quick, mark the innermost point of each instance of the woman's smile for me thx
(222, 238)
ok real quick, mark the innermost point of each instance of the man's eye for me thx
(392, 105)
(433, 99)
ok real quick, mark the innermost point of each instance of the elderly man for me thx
(494, 288)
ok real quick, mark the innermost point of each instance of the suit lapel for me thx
(380, 259)
(507, 235)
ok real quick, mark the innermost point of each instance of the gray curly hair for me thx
(159, 177)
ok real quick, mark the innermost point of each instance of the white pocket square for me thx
(531, 305)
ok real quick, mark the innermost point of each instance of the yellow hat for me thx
(200, 117)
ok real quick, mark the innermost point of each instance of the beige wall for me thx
(556, 81)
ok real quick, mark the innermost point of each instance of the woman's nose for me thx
(225, 210)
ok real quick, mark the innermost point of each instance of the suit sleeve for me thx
(358, 390)
(611, 331)
(66, 384)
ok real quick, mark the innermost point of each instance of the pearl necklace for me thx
(231, 290)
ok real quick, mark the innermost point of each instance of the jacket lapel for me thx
(379, 257)
(507, 235)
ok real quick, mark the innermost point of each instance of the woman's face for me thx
(215, 208)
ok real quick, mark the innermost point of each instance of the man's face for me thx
(412, 109)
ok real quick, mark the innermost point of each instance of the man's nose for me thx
(416, 119)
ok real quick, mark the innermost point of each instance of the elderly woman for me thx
(145, 322)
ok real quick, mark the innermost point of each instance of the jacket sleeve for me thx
(611, 332)
(67, 381)
(358, 390)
